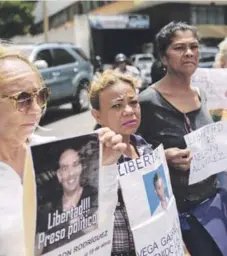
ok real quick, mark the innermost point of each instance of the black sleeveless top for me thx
(163, 123)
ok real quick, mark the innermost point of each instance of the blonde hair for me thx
(106, 79)
(10, 53)
(221, 57)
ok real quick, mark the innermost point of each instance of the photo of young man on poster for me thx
(69, 176)
(160, 191)
(68, 202)
(157, 190)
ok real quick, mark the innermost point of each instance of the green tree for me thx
(16, 17)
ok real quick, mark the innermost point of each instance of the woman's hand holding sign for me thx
(179, 158)
(113, 147)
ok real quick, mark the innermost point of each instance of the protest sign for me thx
(213, 82)
(160, 236)
(209, 151)
(149, 201)
(73, 198)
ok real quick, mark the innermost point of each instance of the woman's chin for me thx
(129, 131)
(26, 133)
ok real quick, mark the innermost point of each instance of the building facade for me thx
(69, 22)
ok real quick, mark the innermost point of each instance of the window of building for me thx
(207, 14)
(70, 13)
(59, 19)
(86, 6)
(101, 3)
(80, 9)
(62, 57)
(94, 5)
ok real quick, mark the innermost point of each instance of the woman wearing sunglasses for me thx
(23, 98)
(170, 109)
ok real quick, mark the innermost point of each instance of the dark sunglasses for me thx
(23, 100)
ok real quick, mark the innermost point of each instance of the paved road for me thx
(62, 122)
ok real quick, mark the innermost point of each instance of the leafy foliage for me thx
(16, 17)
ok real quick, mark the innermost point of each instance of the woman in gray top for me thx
(170, 109)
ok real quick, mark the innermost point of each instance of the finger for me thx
(190, 157)
(187, 160)
(102, 131)
(107, 137)
(171, 152)
(182, 160)
(120, 147)
(182, 153)
(182, 167)
(115, 140)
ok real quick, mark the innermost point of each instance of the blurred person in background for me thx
(170, 109)
(220, 62)
(23, 97)
(124, 68)
(98, 65)
(221, 114)
(221, 57)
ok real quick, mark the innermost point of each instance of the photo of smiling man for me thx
(68, 199)
(68, 174)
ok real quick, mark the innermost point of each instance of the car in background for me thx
(143, 62)
(207, 56)
(65, 70)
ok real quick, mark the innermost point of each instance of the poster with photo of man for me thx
(67, 178)
(149, 201)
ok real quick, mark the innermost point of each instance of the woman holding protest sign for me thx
(115, 105)
(114, 101)
(170, 109)
(22, 100)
